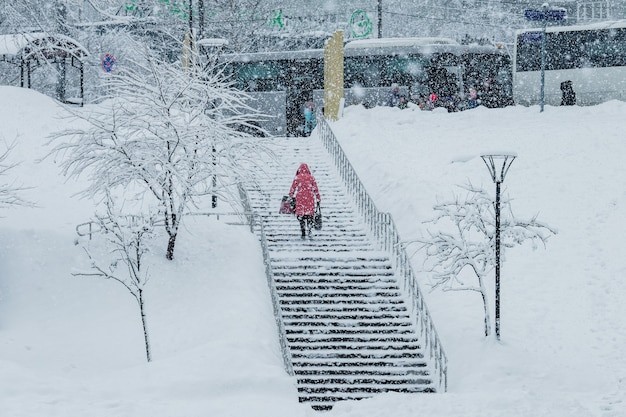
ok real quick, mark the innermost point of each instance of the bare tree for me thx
(10, 191)
(167, 129)
(127, 237)
(466, 241)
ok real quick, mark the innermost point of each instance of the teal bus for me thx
(279, 83)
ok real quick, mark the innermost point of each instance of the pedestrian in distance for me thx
(404, 102)
(472, 98)
(393, 97)
(568, 94)
(433, 101)
(304, 189)
(309, 117)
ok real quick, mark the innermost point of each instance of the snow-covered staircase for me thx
(345, 322)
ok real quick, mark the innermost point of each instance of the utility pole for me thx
(380, 18)
(200, 19)
(191, 18)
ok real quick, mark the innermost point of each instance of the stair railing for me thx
(387, 237)
(257, 220)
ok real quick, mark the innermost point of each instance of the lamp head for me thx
(498, 164)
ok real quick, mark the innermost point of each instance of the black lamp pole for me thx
(498, 165)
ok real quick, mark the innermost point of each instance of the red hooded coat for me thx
(305, 190)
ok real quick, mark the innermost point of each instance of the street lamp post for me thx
(498, 165)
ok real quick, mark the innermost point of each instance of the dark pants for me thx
(306, 224)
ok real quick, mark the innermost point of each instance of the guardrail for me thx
(91, 227)
(387, 237)
(255, 219)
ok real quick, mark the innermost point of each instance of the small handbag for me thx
(287, 205)
(317, 218)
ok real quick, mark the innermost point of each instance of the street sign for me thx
(532, 14)
(553, 15)
(556, 15)
(532, 37)
(108, 63)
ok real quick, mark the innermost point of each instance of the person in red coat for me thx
(304, 188)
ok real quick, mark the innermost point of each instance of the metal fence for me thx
(256, 220)
(382, 226)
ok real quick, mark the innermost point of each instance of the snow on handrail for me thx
(387, 237)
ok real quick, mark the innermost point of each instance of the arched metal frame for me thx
(29, 50)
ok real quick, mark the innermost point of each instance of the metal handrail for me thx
(382, 226)
(89, 228)
(255, 219)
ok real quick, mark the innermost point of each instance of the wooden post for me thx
(333, 75)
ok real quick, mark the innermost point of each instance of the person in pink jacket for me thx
(304, 188)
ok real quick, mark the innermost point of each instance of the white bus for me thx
(281, 82)
(592, 57)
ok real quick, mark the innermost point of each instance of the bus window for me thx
(444, 82)
(478, 67)
(309, 72)
(444, 59)
(528, 52)
(564, 51)
(605, 48)
(405, 70)
(260, 76)
(363, 71)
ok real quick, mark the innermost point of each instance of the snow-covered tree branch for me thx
(165, 130)
(10, 191)
(465, 240)
(127, 238)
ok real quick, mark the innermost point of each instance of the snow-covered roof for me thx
(402, 46)
(611, 24)
(40, 43)
(212, 42)
(398, 42)
(270, 56)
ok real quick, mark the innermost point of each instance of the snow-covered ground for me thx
(72, 346)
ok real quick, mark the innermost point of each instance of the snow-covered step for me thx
(344, 315)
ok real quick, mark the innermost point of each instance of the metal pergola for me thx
(29, 50)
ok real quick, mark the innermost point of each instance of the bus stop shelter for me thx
(28, 51)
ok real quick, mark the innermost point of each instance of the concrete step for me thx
(347, 325)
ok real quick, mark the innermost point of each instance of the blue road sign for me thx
(556, 15)
(532, 14)
(549, 15)
(532, 37)
(108, 63)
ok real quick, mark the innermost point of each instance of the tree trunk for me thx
(483, 293)
(170, 247)
(171, 226)
(145, 326)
